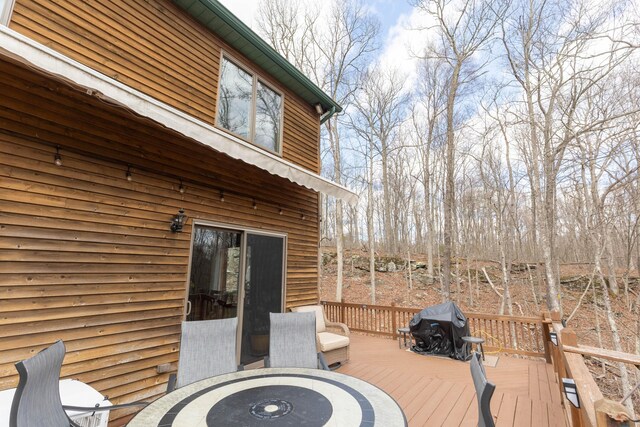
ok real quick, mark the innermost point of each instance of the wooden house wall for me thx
(87, 256)
(156, 48)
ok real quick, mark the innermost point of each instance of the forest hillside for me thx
(394, 285)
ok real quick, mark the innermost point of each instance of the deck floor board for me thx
(436, 391)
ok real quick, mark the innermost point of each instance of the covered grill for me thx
(439, 330)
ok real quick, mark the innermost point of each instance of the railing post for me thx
(342, 310)
(611, 414)
(568, 337)
(394, 323)
(546, 337)
(558, 360)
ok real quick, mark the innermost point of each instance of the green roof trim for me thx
(219, 20)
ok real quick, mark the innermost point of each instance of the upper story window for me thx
(6, 6)
(248, 107)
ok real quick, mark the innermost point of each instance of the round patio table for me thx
(274, 397)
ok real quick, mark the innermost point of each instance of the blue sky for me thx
(389, 12)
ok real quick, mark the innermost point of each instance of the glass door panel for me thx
(263, 290)
(215, 273)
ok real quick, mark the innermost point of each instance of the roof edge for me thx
(248, 34)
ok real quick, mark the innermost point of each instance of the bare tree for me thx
(425, 120)
(464, 28)
(379, 111)
(550, 50)
(288, 26)
(378, 116)
(334, 49)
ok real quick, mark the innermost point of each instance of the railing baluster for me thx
(510, 334)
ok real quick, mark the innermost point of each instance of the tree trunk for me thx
(334, 140)
(370, 232)
(449, 192)
(389, 232)
(617, 344)
(611, 265)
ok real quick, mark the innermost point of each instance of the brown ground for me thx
(393, 287)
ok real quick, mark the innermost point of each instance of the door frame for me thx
(243, 259)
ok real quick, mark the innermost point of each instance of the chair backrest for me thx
(292, 340)
(207, 349)
(37, 398)
(484, 391)
(318, 311)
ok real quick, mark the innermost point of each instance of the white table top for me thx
(281, 397)
(72, 393)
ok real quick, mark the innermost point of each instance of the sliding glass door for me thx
(262, 293)
(237, 273)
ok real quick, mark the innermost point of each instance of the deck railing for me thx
(529, 336)
(505, 334)
(568, 362)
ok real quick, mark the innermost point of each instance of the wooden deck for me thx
(436, 391)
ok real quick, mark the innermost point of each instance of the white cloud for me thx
(245, 10)
(406, 39)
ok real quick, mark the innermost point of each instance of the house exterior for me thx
(158, 162)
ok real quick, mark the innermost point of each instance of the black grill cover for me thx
(439, 330)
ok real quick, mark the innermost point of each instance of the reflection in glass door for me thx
(263, 280)
(222, 260)
(215, 274)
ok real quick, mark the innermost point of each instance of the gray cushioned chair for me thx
(484, 391)
(292, 342)
(207, 349)
(36, 401)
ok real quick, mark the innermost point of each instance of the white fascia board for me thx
(27, 51)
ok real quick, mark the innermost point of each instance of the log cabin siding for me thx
(87, 256)
(156, 48)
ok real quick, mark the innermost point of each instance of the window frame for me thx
(6, 11)
(256, 77)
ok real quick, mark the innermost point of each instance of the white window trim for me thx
(6, 12)
(256, 78)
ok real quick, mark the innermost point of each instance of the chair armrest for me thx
(341, 328)
(103, 408)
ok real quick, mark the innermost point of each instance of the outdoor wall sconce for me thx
(128, 174)
(554, 338)
(319, 109)
(178, 221)
(571, 392)
(181, 188)
(57, 160)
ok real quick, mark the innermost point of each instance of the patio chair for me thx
(207, 349)
(332, 337)
(484, 391)
(36, 401)
(292, 342)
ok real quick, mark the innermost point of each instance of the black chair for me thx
(36, 402)
(484, 391)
